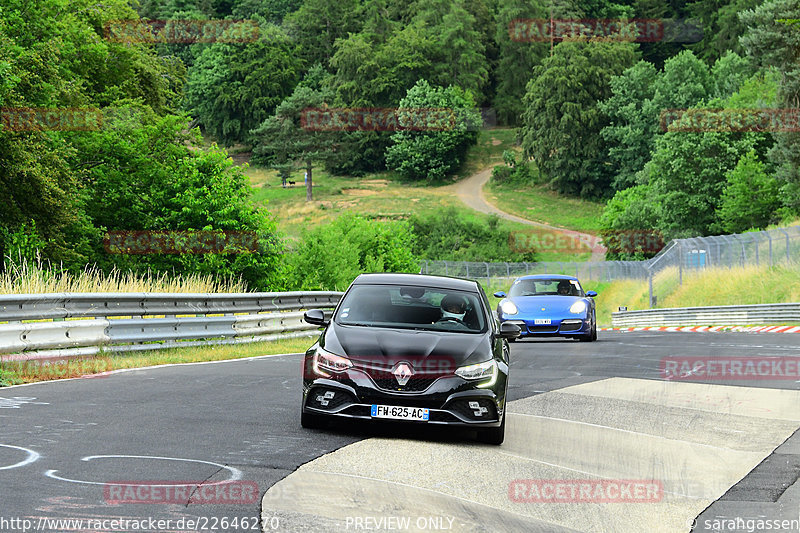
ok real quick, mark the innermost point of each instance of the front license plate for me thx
(400, 413)
(541, 321)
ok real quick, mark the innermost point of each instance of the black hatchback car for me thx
(410, 348)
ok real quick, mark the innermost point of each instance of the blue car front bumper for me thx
(566, 327)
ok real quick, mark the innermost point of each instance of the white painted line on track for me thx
(32, 457)
(236, 474)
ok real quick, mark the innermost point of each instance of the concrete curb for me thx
(714, 329)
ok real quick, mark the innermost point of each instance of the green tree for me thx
(770, 41)
(562, 121)
(688, 174)
(283, 140)
(232, 88)
(721, 25)
(751, 197)
(516, 57)
(433, 155)
(729, 73)
(633, 127)
(316, 26)
(460, 55)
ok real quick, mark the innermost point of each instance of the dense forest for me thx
(590, 111)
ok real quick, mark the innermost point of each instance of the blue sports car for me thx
(547, 305)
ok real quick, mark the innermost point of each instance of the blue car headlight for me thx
(508, 307)
(578, 307)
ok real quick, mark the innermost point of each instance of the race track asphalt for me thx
(61, 443)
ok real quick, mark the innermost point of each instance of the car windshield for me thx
(541, 287)
(411, 307)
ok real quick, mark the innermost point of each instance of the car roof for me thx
(422, 280)
(548, 276)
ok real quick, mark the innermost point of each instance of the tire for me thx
(592, 335)
(493, 435)
(309, 421)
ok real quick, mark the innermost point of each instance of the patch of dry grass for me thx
(38, 278)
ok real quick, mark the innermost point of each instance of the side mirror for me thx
(509, 331)
(499, 294)
(316, 317)
(591, 294)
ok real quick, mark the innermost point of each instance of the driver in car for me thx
(563, 288)
(454, 306)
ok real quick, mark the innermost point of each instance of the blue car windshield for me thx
(542, 287)
(426, 308)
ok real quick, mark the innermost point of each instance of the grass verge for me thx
(37, 278)
(541, 204)
(19, 372)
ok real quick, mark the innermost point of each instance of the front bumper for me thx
(566, 327)
(450, 400)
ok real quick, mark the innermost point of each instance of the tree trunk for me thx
(309, 192)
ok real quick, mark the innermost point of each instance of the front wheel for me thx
(592, 335)
(493, 435)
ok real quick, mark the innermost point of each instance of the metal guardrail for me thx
(36, 326)
(735, 315)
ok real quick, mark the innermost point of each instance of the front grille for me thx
(469, 409)
(571, 325)
(414, 383)
(542, 329)
(422, 378)
(328, 399)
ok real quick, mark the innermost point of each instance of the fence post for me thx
(755, 245)
(680, 265)
(488, 282)
(769, 236)
(650, 285)
(787, 244)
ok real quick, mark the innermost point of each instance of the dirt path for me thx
(470, 191)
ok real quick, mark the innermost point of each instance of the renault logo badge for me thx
(402, 373)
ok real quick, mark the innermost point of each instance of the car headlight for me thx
(326, 362)
(578, 307)
(508, 307)
(486, 371)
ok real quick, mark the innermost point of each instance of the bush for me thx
(450, 235)
(330, 257)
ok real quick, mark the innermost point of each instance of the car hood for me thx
(553, 305)
(394, 345)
